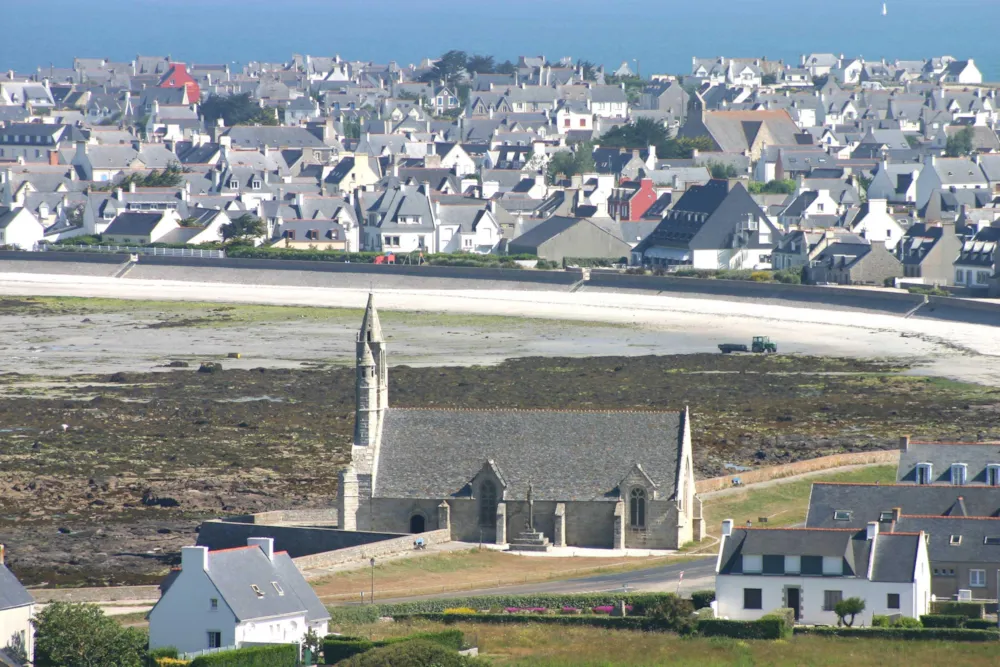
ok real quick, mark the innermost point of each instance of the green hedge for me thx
(594, 262)
(941, 634)
(980, 624)
(702, 599)
(436, 259)
(770, 626)
(967, 609)
(361, 614)
(942, 620)
(341, 647)
(643, 623)
(281, 655)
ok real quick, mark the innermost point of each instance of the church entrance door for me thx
(417, 523)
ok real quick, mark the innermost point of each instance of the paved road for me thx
(698, 574)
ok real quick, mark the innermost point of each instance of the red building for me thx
(631, 199)
(177, 77)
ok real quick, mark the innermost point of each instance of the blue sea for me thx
(662, 35)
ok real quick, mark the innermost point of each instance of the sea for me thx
(653, 36)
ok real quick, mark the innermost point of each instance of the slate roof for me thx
(12, 593)
(942, 455)
(973, 531)
(894, 559)
(134, 224)
(866, 502)
(920, 239)
(566, 455)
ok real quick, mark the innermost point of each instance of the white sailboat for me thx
(885, 10)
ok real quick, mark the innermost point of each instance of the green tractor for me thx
(763, 344)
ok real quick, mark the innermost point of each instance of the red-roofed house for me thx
(177, 77)
(630, 200)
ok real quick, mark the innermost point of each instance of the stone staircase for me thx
(529, 541)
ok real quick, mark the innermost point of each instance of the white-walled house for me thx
(20, 228)
(232, 597)
(874, 223)
(809, 570)
(958, 173)
(16, 609)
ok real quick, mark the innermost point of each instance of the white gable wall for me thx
(17, 621)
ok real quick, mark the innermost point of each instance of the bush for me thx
(907, 622)
(594, 262)
(412, 652)
(674, 613)
(279, 655)
(766, 627)
(880, 621)
(80, 634)
(761, 276)
(702, 599)
(849, 607)
(942, 620)
(460, 610)
(937, 634)
(171, 662)
(980, 624)
(789, 276)
(337, 648)
(164, 652)
(967, 609)
(643, 623)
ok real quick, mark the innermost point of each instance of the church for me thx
(607, 479)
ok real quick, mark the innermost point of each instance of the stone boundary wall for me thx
(372, 550)
(885, 456)
(298, 541)
(105, 594)
(55, 256)
(326, 517)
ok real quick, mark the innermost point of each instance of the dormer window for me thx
(958, 473)
(234, 185)
(991, 540)
(289, 234)
(885, 516)
(993, 474)
(255, 185)
(955, 540)
(923, 473)
(312, 234)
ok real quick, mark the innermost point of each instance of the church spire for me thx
(371, 328)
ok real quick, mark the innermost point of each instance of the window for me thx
(977, 578)
(993, 474)
(289, 234)
(214, 639)
(885, 516)
(257, 591)
(982, 277)
(277, 588)
(774, 564)
(234, 185)
(923, 473)
(753, 598)
(213, 604)
(466, 242)
(752, 564)
(833, 565)
(255, 185)
(958, 471)
(991, 540)
(312, 234)
(959, 276)
(831, 598)
(637, 508)
(583, 122)
(566, 123)
(955, 540)
(841, 515)
(943, 571)
(487, 503)
(892, 601)
(793, 564)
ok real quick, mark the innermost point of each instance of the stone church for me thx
(609, 479)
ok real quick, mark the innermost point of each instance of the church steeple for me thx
(372, 383)
(371, 328)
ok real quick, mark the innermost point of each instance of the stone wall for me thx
(104, 594)
(373, 550)
(660, 531)
(883, 457)
(298, 541)
(393, 514)
(324, 517)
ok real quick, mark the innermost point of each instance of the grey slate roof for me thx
(137, 224)
(941, 455)
(973, 531)
(233, 571)
(12, 593)
(565, 455)
(866, 502)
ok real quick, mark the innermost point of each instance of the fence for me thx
(207, 651)
(889, 456)
(139, 250)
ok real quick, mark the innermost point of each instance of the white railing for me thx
(218, 649)
(138, 250)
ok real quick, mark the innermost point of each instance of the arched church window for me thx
(487, 503)
(637, 508)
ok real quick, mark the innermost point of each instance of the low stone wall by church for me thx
(884, 457)
(298, 541)
(373, 550)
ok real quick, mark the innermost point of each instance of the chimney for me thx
(904, 443)
(131, 186)
(3, 554)
(194, 558)
(119, 194)
(727, 527)
(53, 157)
(300, 200)
(265, 543)
(872, 530)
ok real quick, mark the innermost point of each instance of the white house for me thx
(874, 223)
(16, 609)
(232, 597)
(454, 157)
(132, 228)
(962, 71)
(957, 173)
(809, 570)
(20, 228)
(896, 183)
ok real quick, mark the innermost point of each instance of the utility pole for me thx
(372, 561)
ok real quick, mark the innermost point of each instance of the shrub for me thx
(849, 607)
(766, 627)
(880, 621)
(980, 624)
(942, 620)
(340, 648)
(643, 623)
(789, 276)
(593, 262)
(164, 652)
(280, 655)
(170, 662)
(412, 652)
(967, 609)
(459, 610)
(907, 622)
(702, 599)
(210, 367)
(761, 276)
(787, 617)
(547, 264)
(674, 613)
(937, 634)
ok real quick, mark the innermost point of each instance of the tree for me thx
(352, 129)
(16, 650)
(674, 613)
(588, 68)
(481, 64)
(775, 187)
(571, 163)
(769, 79)
(849, 607)
(244, 229)
(450, 68)
(236, 110)
(506, 67)
(960, 143)
(912, 141)
(645, 132)
(720, 170)
(82, 636)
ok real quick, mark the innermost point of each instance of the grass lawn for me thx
(467, 570)
(782, 503)
(548, 646)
